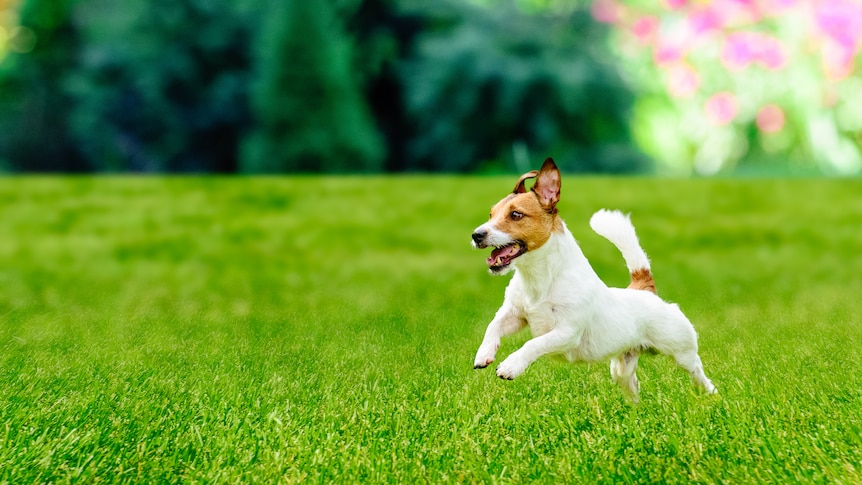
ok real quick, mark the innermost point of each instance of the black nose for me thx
(479, 236)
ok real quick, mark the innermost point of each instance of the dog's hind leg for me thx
(624, 371)
(690, 361)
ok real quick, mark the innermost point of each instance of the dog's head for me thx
(523, 220)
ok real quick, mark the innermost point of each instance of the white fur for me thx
(618, 229)
(571, 312)
(494, 237)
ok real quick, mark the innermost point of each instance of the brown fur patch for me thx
(533, 228)
(642, 280)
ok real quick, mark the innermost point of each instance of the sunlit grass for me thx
(323, 329)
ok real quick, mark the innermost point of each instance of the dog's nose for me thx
(479, 236)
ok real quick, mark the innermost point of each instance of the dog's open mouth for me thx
(504, 255)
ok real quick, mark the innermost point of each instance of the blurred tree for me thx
(162, 87)
(310, 114)
(502, 86)
(332, 85)
(34, 107)
(385, 37)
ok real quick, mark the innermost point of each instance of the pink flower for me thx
(735, 13)
(775, 7)
(744, 48)
(675, 4)
(606, 11)
(738, 51)
(771, 54)
(682, 80)
(770, 119)
(705, 20)
(841, 21)
(667, 52)
(721, 108)
(745, 4)
(645, 28)
(779, 4)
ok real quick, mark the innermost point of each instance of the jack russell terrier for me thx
(556, 292)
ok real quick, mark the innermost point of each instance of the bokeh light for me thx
(770, 119)
(713, 70)
(722, 108)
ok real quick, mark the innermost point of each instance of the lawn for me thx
(306, 329)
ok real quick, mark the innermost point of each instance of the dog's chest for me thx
(538, 307)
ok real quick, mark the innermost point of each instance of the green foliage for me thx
(128, 86)
(342, 86)
(225, 330)
(34, 107)
(311, 116)
(384, 36)
(495, 81)
(172, 95)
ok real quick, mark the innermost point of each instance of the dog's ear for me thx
(519, 187)
(547, 186)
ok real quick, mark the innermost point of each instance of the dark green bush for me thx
(34, 106)
(310, 114)
(499, 86)
(162, 86)
(325, 85)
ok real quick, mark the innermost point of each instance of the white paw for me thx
(484, 357)
(511, 368)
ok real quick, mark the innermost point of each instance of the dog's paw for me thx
(483, 361)
(484, 357)
(511, 368)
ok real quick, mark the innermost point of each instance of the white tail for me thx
(617, 228)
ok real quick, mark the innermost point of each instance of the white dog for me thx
(569, 310)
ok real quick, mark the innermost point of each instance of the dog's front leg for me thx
(506, 322)
(552, 342)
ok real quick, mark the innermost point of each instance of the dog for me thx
(568, 308)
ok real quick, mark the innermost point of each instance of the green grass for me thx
(207, 330)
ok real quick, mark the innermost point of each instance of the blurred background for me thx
(669, 87)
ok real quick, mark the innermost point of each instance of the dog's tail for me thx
(617, 228)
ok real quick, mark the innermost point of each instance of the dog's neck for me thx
(540, 269)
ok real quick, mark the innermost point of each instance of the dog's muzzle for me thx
(479, 239)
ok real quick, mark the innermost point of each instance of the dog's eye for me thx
(516, 216)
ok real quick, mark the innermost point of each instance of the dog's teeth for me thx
(498, 261)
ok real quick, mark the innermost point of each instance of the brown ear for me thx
(519, 187)
(547, 186)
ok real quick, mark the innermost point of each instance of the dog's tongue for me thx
(505, 252)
